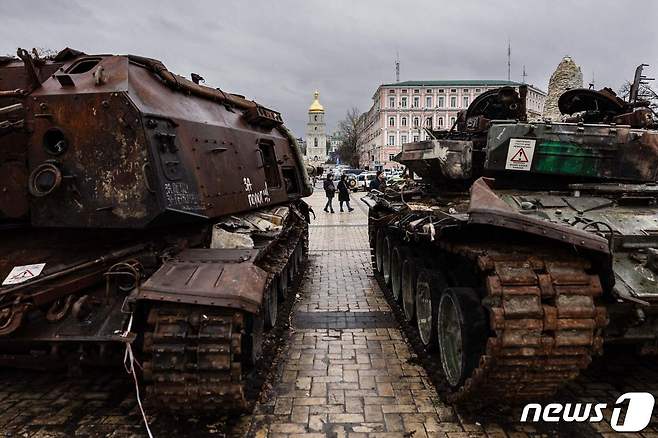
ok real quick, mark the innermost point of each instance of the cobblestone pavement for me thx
(346, 371)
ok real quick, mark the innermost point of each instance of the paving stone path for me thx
(347, 371)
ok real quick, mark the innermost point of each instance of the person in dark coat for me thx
(344, 193)
(329, 190)
(376, 183)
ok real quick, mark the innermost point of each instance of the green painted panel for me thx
(566, 158)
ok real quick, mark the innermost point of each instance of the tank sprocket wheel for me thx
(544, 327)
(192, 358)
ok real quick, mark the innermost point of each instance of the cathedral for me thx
(316, 137)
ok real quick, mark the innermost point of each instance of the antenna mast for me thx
(397, 66)
(524, 75)
(509, 59)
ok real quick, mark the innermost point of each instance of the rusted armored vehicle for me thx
(138, 207)
(527, 245)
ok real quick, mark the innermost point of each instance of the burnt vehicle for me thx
(141, 208)
(527, 245)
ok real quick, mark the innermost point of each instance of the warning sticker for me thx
(20, 274)
(519, 154)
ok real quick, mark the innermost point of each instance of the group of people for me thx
(378, 183)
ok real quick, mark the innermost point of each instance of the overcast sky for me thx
(277, 52)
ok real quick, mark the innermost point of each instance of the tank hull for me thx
(156, 215)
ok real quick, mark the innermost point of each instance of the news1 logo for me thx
(638, 412)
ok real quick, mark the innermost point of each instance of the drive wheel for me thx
(429, 286)
(271, 304)
(397, 257)
(461, 333)
(386, 260)
(409, 287)
(379, 251)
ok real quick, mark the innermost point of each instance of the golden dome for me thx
(316, 107)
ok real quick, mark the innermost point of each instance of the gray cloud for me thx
(278, 52)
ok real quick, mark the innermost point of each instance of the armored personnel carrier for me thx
(138, 207)
(528, 245)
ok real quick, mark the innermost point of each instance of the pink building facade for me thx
(401, 110)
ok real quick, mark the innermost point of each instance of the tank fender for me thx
(208, 277)
(486, 208)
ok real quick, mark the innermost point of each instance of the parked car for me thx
(363, 180)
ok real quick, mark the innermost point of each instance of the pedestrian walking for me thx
(329, 190)
(344, 193)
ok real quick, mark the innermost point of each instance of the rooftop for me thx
(456, 82)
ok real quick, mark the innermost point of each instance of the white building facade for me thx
(316, 136)
(401, 110)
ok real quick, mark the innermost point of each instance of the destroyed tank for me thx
(144, 211)
(526, 246)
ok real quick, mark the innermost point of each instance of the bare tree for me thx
(350, 130)
(645, 93)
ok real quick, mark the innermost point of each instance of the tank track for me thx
(193, 355)
(192, 358)
(545, 325)
(544, 322)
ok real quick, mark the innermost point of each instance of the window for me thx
(404, 102)
(465, 101)
(477, 90)
(403, 121)
(465, 90)
(440, 102)
(270, 166)
(415, 138)
(452, 121)
(453, 102)
(441, 90)
(440, 122)
(416, 122)
(428, 101)
(391, 91)
(416, 91)
(391, 102)
(453, 90)
(428, 91)
(390, 157)
(428, 122)
(416, 101)
(391, 140)
(315, 118)
(404, 91)
(403, 139)
(391, 121)
(315, 142)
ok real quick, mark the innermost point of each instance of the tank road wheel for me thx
(282, 283)
(409, 287)
(461, 333)
(386, 260)
(292, 269)
(271, 304)
(255, 339)
(429, 287)
(299, 254)
(379, 250)
(398, 254)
